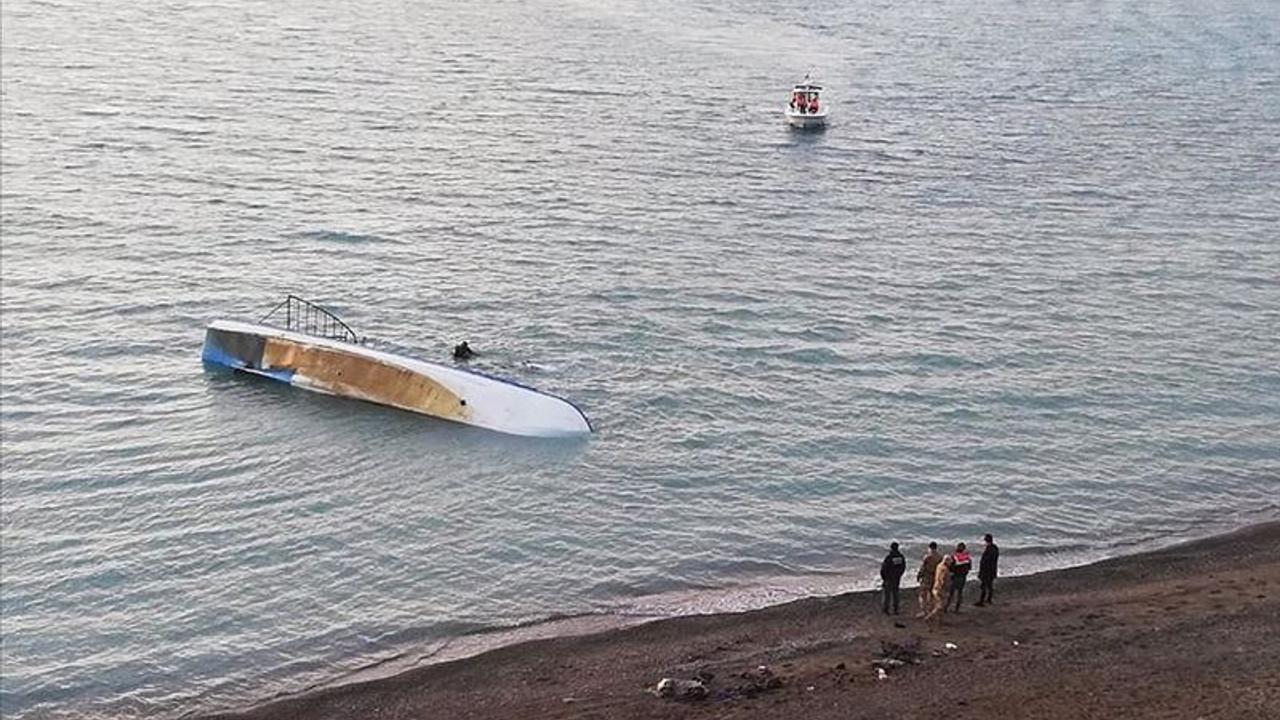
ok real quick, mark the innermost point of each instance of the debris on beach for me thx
(747, 684)
(756, 682)
(894, 655)
(681, 689)
(907, 651)
(951, 646)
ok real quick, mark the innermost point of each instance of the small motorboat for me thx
(312, 348)
(806, 110)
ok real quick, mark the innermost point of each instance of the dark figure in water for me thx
(891, 573)
(959, 572)
(463, 351)
(987, 570)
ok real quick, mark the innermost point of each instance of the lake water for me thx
(1028, 282)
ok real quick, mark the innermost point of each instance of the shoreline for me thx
(725, 600)
(1190, 630)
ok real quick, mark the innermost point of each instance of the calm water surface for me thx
(1028, 282)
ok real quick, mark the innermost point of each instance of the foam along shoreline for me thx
(1187, 631)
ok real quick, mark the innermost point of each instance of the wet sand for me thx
(1191, 631)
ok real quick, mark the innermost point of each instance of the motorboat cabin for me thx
(806, 108)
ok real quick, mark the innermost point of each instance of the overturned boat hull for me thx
(349, 370)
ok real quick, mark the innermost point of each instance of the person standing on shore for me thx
(941, 578)
(961, 563)
(891, 571)
(928, 566)
(987, 570)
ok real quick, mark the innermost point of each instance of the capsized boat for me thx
(806, 109)
(312, 348)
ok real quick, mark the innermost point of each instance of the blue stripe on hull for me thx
(215, 355)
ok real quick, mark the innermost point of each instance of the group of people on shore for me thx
(941, 577)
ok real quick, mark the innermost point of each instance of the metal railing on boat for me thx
(308, 318)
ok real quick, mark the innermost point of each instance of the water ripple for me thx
(1026, 283)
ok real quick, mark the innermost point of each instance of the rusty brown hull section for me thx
(364, 378)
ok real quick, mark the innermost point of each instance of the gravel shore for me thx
(1191, 631)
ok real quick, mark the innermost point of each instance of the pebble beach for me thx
(1187, 632)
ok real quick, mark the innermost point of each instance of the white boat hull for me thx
(806, 120)
(345, 369)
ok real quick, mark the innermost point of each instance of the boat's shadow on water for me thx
(237, 397)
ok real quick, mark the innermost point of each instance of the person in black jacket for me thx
(960, 564)
(891, 573)
(987, 570)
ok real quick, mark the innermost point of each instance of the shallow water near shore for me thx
(1026, 283)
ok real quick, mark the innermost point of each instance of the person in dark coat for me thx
(463, 351)
(987, 570)
(891, 570)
